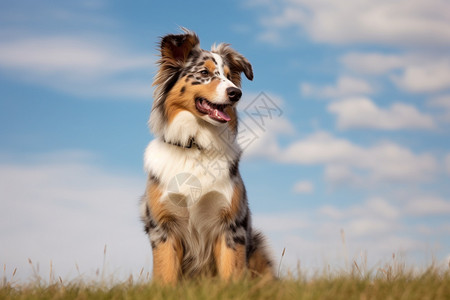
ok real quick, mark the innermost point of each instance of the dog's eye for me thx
(204, 72)
(229, 77)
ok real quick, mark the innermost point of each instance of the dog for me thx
(195, 208)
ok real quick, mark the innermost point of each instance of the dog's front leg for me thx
(230, 247)
(167, 256)
(230, 257)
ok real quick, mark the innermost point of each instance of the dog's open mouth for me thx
(214, 111)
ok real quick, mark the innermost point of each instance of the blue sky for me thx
(360, 144)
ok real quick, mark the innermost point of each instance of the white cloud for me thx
(382, 162)
(442, 106)
(363, 113)
(348, 163)
(304, 187)
(363, 226)
(376, 227)
(445, 117)
(430, 77)
(382, 208)
(411, 23)
(447, 163)
(271, 37)
(250, 100)
(331, 212)
(82, 14)
(374, 208)
(423, 206)
(85, 59)
(345, 86)
(412, 72)
(78, 65)
(263, 143)
(271, 222)
(440, 102)
(318, 148)
(341, 174)
(261, 122)
(372, 63)
(65, 210)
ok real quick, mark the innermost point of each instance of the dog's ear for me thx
(235, 61)
(176, 48)
(175, 51)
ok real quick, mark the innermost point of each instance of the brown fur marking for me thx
(158, 210)
(210, 65)
(226, 71)
(230, 262)
(167, 261)
(259, 264)
(176, 103)
(178, 53)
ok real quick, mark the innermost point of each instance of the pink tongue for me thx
(223, 115)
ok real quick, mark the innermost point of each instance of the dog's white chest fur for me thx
(191, 173)
(187, 172)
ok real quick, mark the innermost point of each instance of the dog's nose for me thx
(234, 94)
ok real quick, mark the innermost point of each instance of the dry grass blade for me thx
(281, 259)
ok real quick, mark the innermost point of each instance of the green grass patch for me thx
(386, 283)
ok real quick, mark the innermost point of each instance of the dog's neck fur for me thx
(187, 131)
(191, 144)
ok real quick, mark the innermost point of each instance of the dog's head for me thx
(203, 83)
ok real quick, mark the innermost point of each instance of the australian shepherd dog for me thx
(195, 208)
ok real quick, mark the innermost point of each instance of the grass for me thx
(393, 281)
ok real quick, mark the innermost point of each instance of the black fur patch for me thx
(149, 223)
(194, 55)
(164, 238)
(239, 239)
(244, 221)
(256, 241)
(171, 82)
(147, 228)
(153, 178)
(234, 167)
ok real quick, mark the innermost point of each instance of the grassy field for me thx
(390, 282)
